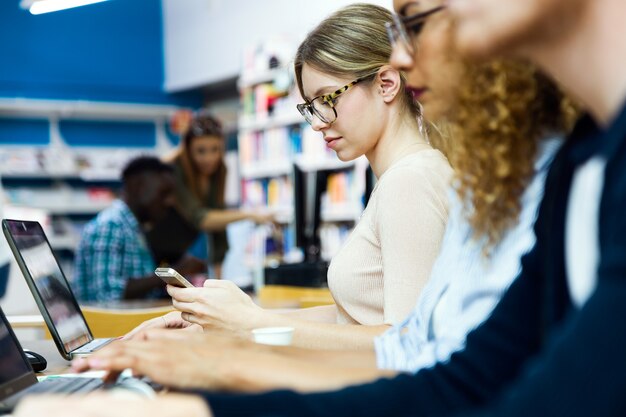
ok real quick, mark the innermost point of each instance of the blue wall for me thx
(111, 51)
(32, 131)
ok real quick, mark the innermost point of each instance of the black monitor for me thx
(309, 186)
(308, 189)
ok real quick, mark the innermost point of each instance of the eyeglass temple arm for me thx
(421, 16)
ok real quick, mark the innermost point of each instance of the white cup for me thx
(278, 336)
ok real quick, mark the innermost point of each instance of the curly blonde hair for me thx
(503, 109)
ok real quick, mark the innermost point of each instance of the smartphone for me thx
(170, 276)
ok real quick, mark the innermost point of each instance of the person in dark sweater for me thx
(554, 345)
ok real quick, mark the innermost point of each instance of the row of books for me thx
(277, 144)
(264, 100)
(100, 163)
(344, 187)
(282, 143)
(273, 193)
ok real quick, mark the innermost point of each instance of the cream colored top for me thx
(379, 272)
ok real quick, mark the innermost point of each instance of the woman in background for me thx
(200, 174)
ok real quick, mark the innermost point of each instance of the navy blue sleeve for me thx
(582, 369)
(492, 358)
(582, 372)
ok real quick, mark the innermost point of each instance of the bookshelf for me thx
(51, 179)
(272, 137)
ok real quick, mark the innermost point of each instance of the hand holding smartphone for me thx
(171, 277)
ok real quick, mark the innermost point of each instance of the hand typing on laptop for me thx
(180, 360)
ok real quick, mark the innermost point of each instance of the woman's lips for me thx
(331, 142)
(416, 92)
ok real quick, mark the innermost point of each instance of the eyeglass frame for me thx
(327, 98)
(402, 25)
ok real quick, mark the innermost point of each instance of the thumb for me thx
(213, 283)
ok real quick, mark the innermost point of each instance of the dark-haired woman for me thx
(201, 177)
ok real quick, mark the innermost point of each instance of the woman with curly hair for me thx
(501, 123)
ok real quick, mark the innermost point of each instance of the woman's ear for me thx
(389, 83)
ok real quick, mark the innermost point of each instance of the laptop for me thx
(52, 292)
(17, 378)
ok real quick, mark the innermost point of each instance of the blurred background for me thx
(83, 90)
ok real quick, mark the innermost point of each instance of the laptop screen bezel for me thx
(35, 291)
(23, 381)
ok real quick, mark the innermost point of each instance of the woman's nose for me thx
(401, 58)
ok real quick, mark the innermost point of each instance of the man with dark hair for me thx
(113, 260)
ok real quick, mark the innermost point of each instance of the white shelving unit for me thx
(266, 169)
(83, 109)
(66, 182)
(286, 118)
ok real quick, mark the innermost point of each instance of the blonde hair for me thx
(351, 42)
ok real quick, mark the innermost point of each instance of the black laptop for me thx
(52, 292)
(17, 378)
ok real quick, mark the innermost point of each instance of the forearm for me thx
(322, 314)
(314, 335)
(385, 397)
(340, 358)
(262, 372)
(216, 220)
(364, 358)
(139, 287)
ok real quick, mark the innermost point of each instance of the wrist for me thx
(271, 319)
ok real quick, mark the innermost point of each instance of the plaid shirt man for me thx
(112, 251)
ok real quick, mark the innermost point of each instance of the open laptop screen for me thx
(13, 366)
(53, 289)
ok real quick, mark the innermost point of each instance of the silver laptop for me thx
(17, 378)
(50, 288)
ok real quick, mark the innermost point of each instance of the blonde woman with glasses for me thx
(359, 105)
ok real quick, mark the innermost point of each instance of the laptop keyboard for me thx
(56, 386)
(92, 346)
(65, 385)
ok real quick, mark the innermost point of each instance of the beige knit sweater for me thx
(378, 274)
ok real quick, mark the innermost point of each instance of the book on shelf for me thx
(275, 194)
